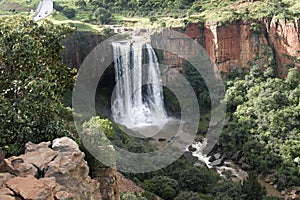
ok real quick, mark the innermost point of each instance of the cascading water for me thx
(138, 93)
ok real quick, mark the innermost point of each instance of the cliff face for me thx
(229, 46)
(234, 45)
(77, 46)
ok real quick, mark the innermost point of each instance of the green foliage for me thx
(252, 189)
(187, 195)
(265, 122)
(199, 86)
(163, 186)
(57, 7)
(256, 28)
(81, 4)
(197, 180)
(69, 12)
(271, 198)
(102, 15)
(33, 82)
(152, 19)
(130, 196)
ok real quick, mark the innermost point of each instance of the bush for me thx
(69, 12)
(33, 82)
(162, 186)
(102, 15)
(57, 7)
(198, 180)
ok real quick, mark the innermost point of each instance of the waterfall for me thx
(138, 93)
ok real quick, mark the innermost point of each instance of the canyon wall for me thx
(234, 45)
(230, 46)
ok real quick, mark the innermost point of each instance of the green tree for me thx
(251, 188)
(33, 81)
(163, 186)
(130, 196)
(69, 12)
(187, 195)
(81, 4)
(197, 180)
(102, 15)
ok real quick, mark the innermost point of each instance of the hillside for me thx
(93, 14)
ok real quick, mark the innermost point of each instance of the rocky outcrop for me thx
(233, 46)
(48, 171)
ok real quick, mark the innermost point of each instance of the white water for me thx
(137, 103)
(238, 173)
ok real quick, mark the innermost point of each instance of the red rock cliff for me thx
(234, 45)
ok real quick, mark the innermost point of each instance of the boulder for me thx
(162, 139)
(17, 166)
(218, 162)
(191, 148)
(30, 147)
(217, 156)
(44, 172)
(31, 188)
(212, 158)
(188, 156)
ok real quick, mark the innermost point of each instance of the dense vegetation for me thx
(265, 122)
(33, 81)
(87, 15)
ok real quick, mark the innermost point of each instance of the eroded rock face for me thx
(232, 46)
(58, 172)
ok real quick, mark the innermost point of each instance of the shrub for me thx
(69, 12)
(33, 82)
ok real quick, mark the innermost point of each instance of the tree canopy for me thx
(33, 82)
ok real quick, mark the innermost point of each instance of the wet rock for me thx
(217, 156)
(191, 148)
(237, 156)
(212, 158)
(199, 139)
(218, 162)
(188, 156)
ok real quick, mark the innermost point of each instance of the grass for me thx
(58, 18)
(212, 11)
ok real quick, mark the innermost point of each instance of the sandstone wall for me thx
(234, 45)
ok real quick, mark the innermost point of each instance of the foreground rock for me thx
(44, 173)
